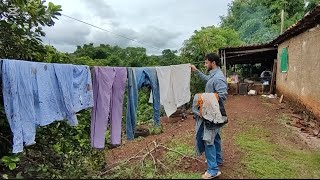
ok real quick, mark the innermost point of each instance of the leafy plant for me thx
(10, 161)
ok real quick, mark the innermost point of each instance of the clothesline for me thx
(91, 66)
(135, 66)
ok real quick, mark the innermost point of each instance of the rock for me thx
(303, 129)
(298, 125)
(312, 124)
(141, 132)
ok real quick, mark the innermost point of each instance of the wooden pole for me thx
(282, 20)
(221, 57)
(225, 63)
(273, 78)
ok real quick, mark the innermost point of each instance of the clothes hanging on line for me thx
(137, 78)
(109, 85)
(174, 83)
(37, 94)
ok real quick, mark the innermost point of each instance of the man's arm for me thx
(221, 88)
(200, 74)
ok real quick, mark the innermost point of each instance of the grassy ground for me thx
(256, 144)
(266, 159)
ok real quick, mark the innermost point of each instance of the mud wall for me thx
(302, 81)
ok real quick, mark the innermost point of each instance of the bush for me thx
(61, 151)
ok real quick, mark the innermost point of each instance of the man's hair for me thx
(213, 57)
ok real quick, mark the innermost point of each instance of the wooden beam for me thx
(252, 51)
(225, 64)
(273, 78)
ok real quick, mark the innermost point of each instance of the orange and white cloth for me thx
(209, 107)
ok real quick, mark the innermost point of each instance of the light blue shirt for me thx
(216, 82)
(37, 94)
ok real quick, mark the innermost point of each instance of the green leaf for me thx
(13, 26)
(20, 2)
(15, 159)
(51, 5)
(12, 166)
(5, 176)
(19, 176)
(5, 159)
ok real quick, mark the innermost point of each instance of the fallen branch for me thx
(164, 166)
(128, 159)
(154, 160)
(149, 153)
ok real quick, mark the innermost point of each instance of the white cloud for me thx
(99, 8)
(164, 24)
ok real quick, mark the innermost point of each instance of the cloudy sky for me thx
(164, 24)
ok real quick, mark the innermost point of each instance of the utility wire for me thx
(112, 32)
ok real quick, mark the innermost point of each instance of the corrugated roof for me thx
(310, 20)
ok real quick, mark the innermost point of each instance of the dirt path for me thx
(263, 118)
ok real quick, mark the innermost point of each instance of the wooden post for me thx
(273, 78)
(282, 20)
(221, 57)
(225, 63)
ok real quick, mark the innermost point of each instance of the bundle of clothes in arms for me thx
(38, 94)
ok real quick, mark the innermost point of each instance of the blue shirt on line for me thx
(37, 94)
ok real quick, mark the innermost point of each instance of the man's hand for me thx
(193, 67)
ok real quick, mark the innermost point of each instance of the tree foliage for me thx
(259, 21)
(208, 39)
(21, 27)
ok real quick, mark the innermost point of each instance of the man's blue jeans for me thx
(137, 78)
(214, 154)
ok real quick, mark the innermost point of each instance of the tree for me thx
(21, 23)
(259, 21)
(311, 4)
(169, 57)
(135, 57)
(208, 39)
(293, 9)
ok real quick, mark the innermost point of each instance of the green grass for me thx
(267, 160)
(183, 148)
(180, 146)
(135, 170)
(155, 130)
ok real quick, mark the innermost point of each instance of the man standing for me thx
(215, 83)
